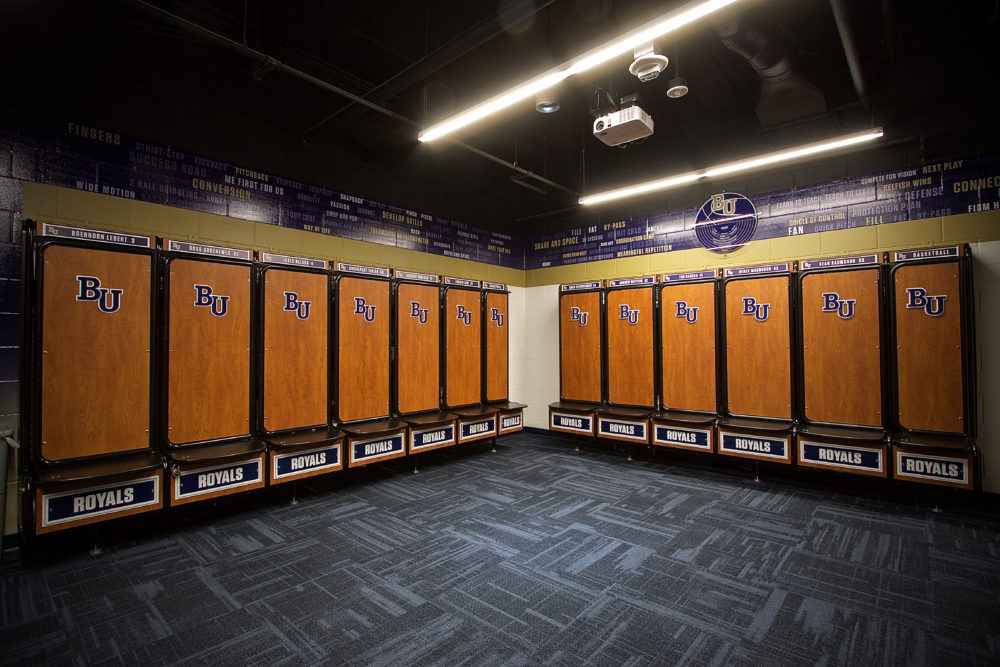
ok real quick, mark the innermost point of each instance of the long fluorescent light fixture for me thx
(625, 44)
(735, 167)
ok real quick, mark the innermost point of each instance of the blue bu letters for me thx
(626, 313)
(361, 308)
(832, 303)
(300, 308)
(576, 315)
(418, 312)
(687, 312)
(204, 298)
(758, 310)
(496, 316)
(463, 314)
(91, 290)
(932, 305)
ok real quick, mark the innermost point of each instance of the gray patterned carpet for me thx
(534, 555)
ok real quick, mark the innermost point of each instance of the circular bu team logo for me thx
(725, 222)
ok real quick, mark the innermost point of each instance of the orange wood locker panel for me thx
(363, 377)
(209, 351)
(929, 347)
(418, 344)
(630, 346)
(580, 346)
(462, 332)
(758, 361)
(841, 356)
(497, 326)
(95, 352)
(295, 349)
(687, 320)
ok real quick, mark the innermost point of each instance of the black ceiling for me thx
(192, 73)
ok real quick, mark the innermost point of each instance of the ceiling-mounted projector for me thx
(622, 126)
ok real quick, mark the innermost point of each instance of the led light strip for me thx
(625, 44)
(734, 167)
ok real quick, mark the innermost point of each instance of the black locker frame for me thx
(968, 337)
(167, 256)
(883, 293)
(651, 282)
(33, 469)
(570, 288)
(468, 285)
(260, 269)
(793, 336)
(757, 426)
(504, 406)
(380, 274)
(577, 407)
(681, 419)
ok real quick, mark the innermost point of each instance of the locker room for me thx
(619, 332)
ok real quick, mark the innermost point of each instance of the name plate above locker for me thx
(755, 446)
(96, 235)
(210, 250)
(379, 271)
(217, 480)
(630, 430)
(579, 287)
(417, 277)
(632, 282)
(66, 509)
(463, 282)
(289, 260)
(494, 286)
(766, 269)
(864, 460)
(690, 275)
(699, 439)
(930, 253)
(839, 262)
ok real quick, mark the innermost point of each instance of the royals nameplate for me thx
(931, 469)
(217, 480)
(683, 437)
(432, 438)
(305, 463)
(69, 508)
(477, 429)
(511, 422)
(630, 430)
(571, 423)
(375, 449)
(864, 460)
(754, 446)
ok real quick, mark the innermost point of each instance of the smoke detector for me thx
(647, 64)
(678, 87)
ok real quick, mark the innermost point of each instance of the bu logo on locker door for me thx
(418, 312)
(108, 300)
(463, 314)
(300, 308)
(626, 313)
(496, 316)
(689, 313)
(205, 298)
(932, 305)
(758, 310)
(577, 315)
(832, 303)
(363, 309)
